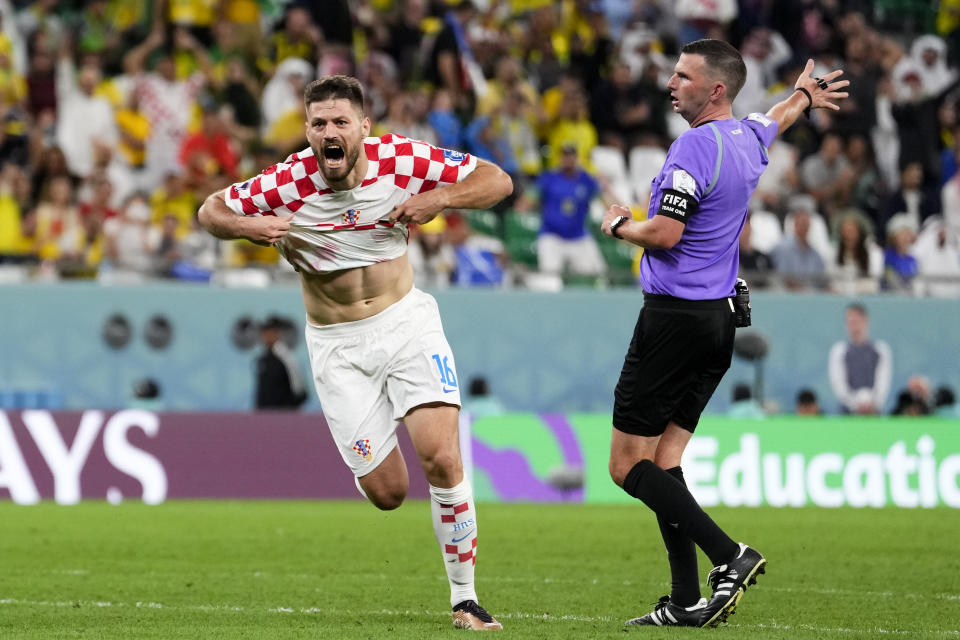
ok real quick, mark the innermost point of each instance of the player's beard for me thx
(340, 173)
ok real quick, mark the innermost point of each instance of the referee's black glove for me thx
(741, 303)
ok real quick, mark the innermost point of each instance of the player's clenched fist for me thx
(420, 209)
(267, 230)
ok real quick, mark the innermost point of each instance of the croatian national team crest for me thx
(362, 447)
(352, 216)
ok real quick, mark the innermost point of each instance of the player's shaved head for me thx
(335, 88)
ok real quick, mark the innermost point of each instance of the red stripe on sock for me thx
(451, 548)
(463, 557)
(446, 518)
(460, 508)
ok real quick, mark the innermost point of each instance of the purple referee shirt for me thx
(703, 264)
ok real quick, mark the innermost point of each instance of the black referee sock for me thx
(673, 502)
(682, 555)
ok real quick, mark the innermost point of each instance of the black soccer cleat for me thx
(729, 582)
(470, 615)
(667, 614)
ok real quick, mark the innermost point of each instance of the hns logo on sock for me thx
(362, 447)
(352, 216)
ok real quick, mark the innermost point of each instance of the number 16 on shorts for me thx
(447, 376)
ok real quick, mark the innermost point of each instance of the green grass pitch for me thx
(345, 570)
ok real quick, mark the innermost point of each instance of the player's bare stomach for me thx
(355, 294)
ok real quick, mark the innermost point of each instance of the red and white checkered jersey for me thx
(333, 230)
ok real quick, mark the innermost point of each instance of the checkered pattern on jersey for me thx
(411, 165)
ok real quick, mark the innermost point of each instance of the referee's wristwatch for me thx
(616, 224)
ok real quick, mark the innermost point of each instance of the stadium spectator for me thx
(298, 38)
(755, 265)
(860, 368)
(763, 50)
(165, 100)
(209, 153)
(945, 402)
(938, 260)
(564, 196)
(797, 263)
(743, 406)
(915, 399)
(84, 120)
(913, 198)
(807, 403)
(372, 297)
(280, 382)
(16, 245)
(899, 266)
(572, 127)
(479, 258)
(827, 175)
(452, 65)
(128, 238)
(480, 400)
(431, 256)
(858, 262)
(174, 198)
(625, 112)
(687, 268)
(282, 104)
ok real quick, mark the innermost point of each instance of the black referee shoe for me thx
(667, 614)
(729, 582)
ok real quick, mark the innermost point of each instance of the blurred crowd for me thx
(117, 117)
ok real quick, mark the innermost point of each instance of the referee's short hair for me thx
(722, 58)
(334, 88)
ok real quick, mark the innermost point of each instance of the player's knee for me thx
(387, 500)
(442, 467)
(618, 472)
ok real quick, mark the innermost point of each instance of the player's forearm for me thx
(786, 112)
(487, 185)
(219, 220)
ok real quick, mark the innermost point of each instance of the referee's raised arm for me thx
(809, 93)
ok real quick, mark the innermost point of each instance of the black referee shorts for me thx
(679, 352)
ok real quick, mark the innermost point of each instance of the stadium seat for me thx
(645, 164)
(521, 231)
(484, 222)
(609, 163)
(765, 230)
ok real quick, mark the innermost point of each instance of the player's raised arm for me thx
(220, 221)
(809, 93)
(486, 185)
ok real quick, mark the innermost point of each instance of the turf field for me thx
(345, 570)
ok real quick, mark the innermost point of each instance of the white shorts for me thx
(370, 373)
(582, 255)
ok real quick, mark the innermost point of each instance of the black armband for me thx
(677, 205)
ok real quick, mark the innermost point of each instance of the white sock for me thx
(455, 525)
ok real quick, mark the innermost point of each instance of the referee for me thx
(683, 341)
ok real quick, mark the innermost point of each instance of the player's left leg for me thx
(433, 429)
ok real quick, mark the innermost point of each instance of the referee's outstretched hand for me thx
(823, 91)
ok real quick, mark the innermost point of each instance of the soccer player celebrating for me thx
(683, 341)
(338, 212)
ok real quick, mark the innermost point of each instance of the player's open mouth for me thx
(333, 155)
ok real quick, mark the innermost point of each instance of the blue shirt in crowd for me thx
(565, 202)
(703, 264)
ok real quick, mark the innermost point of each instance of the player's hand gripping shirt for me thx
(333, 230)
(707, 180)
